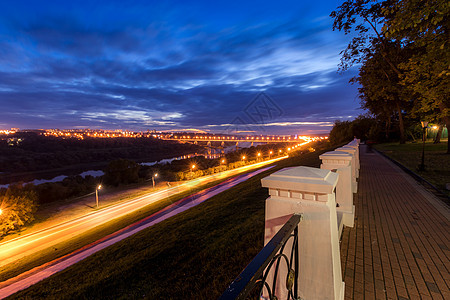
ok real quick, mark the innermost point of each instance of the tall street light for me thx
(192, 169)
(96, 193)
(153, 179)
(422, 164)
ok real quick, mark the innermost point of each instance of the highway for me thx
(27, 279)
(22, 246)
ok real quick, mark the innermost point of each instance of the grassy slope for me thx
(194, 255)
(437, 162)
(58, 250)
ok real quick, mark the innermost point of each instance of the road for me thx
(27, 279)
(27, 244)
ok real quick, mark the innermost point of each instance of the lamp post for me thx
(259, 156)
(270, 153)
(192, 169)
(96, 193)
(153, 179)
(422, 164)
(1, 211)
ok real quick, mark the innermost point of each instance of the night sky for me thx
(218, 66)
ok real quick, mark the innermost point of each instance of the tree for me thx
(121, 171)
(362, 17)
(381, 92)
(341, 132)
(17, 209)
(423, 26)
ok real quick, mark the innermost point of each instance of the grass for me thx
(193, 255)
(437, 162)
(63, 248)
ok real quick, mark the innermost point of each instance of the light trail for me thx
(28, 244)
(27, 279)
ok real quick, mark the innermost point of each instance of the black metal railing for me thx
(255, 274)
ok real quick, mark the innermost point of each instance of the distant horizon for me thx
(188, 130)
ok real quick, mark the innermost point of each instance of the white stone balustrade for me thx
(355, 145)
(355, 171)
(341, 162)
(309, 191)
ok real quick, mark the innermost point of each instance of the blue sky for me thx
(263, 67)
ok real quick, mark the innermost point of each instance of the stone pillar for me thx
(341, 162)
(309, 191)
(355, 170)
(354, 144)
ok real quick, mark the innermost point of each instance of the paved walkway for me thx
(400, 245)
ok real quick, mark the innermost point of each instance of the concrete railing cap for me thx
(345, 148)
(336, 155)
(302, 179)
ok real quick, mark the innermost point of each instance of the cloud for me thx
(162, 65)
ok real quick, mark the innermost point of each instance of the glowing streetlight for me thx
(270, 153)
(153, 179)
(223, 161)
(96, 193)
(1, 211)
(259, 154)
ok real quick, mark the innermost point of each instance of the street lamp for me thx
(1, 211)
(153, 179)
(96, 193)
(422, 164)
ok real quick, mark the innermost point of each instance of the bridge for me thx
(236, 138)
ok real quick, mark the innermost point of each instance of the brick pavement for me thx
(399, 247)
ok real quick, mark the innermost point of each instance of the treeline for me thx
(372, 129)
(37, 152)
(401, 47)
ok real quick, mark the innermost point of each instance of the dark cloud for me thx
(159, 68)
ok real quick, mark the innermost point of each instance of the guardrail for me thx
(255, 274)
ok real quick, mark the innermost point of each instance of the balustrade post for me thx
(341, 162)
(309, 191)
(355, 171)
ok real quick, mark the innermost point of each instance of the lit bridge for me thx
(235, 139)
